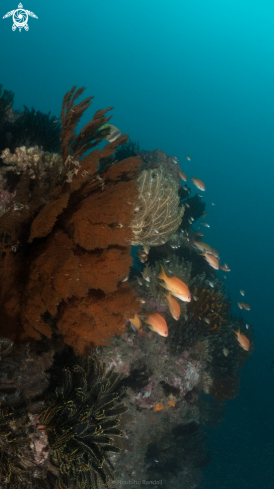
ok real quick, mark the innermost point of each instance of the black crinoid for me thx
(81, 420)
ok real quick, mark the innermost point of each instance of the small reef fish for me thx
(188, 158)
(136, 325)
(183, 176)
(243, 340)
(242, 292)
(113, 134)
(225, 352)
(212, 203)
(173, 305)
(146, 273)
(139, 281)
(198, 183)
(125, 279)
(205, 225)
(211, 260)
(195, 298)
(199, 234)
(177, 288)
(215, 253)
(203, 246)
(146, 249)
(207, 320)
(187, 205)
(204, 215)
(157, 324)
(225, 268)
(242, 305)
(211, 284)
(142, 256)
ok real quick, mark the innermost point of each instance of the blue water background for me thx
(189, 77)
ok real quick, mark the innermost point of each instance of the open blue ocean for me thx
(189, 78)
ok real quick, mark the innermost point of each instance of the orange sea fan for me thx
(74, 254)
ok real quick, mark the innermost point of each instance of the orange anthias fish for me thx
(173, 305)
(215, 253)
(178, 288)
(136, 325)
(183, 176)
(243, 340)
(211, 260)
(198, 183)
(202, 246)
(157, 323)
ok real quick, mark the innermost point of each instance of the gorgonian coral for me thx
(66, 247)
(81, 420)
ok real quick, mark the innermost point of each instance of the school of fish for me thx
(176, 288)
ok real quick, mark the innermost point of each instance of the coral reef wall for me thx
(93, 394)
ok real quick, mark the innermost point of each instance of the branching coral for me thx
(81, 419)
(157, 212)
